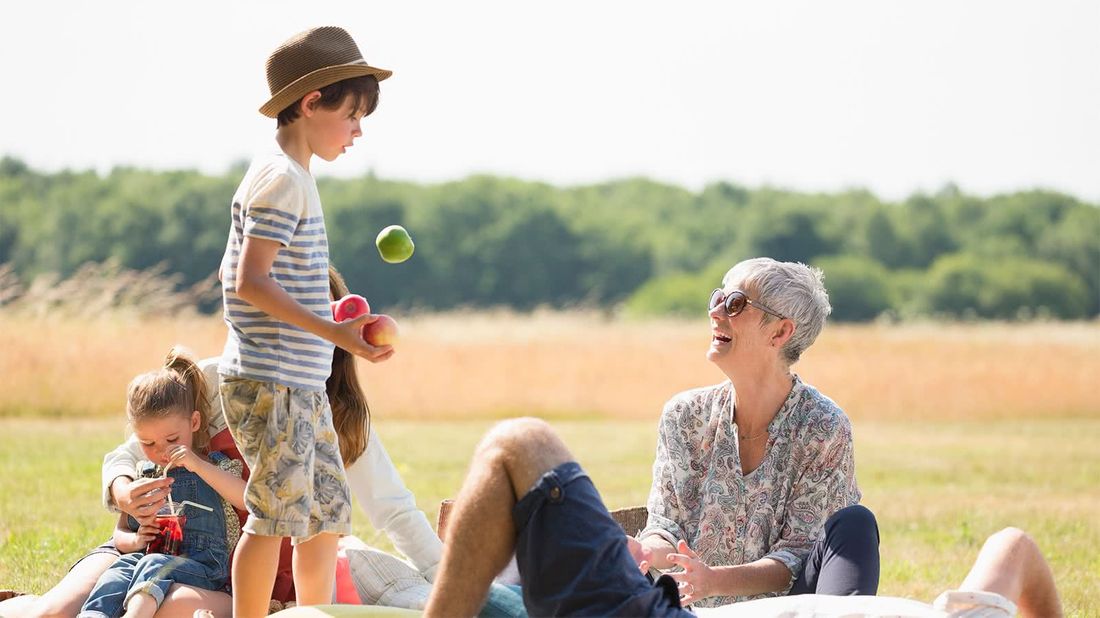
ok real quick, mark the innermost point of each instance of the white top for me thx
(373, 479)
(278, 200)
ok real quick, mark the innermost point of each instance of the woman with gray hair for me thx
(754, 489)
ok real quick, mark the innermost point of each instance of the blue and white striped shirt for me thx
(278, 200)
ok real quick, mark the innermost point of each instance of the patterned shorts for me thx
(298, 486)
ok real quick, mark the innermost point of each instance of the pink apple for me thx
(382, 331)
(349, 307)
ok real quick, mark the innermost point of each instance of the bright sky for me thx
(893, 96)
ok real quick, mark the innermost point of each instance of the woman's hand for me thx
(141, 498)
(697, 581)
(130, 542)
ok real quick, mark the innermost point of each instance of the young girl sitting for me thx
(167, 411)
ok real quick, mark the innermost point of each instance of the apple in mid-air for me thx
(394, 244)
(382, 331)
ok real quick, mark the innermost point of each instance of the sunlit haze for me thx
(896, 97)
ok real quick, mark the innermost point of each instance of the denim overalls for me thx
(203, 561)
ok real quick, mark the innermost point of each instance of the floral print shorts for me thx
(298, 487)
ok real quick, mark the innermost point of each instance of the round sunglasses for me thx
(736, 302)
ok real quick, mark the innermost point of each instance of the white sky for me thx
(894, 96)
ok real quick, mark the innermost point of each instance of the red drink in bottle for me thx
(170, 538)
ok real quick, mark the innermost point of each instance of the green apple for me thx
(394, 244)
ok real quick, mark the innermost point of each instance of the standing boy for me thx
(278, 353)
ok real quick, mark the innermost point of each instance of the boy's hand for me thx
(140, 498)
(184, 457)
(348, 335)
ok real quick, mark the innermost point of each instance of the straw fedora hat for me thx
(311, 60)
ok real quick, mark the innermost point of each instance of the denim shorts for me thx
(573, 558)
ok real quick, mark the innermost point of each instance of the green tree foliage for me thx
(1074, 243)
(681, 294)
(924, 231)
(966, 285)
(788, 227)
(884, 244)
(650, 247)
(859, 287)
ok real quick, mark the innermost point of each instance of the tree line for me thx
(631, 245)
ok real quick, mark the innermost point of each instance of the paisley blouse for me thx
(778, 510)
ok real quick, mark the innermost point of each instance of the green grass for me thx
(938, 489)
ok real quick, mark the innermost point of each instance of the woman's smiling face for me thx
(736, 339)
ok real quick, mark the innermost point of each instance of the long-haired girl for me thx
(167, 410)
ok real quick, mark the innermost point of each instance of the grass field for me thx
(960, 430)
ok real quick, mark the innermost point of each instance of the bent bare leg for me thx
(68, 596)
(1011, 565)
(183, 601)
(481, 535)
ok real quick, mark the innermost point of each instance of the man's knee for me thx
(516, 437)
(524, 448)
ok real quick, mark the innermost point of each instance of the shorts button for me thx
(555, 493)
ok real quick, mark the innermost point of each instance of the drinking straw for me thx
(171, 505)
(201, 506)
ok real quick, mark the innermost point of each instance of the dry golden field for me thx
(575, 365)
(938, 476)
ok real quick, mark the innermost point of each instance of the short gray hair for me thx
(790, 288)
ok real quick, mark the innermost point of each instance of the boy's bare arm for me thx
(255, 286)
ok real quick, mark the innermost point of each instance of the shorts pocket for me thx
(246, 405)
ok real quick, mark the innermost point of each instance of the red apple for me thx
(349, 307)
(382, 331)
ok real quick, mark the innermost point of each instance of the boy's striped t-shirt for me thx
(278, 200)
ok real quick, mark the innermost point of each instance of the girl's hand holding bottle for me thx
(129, 542)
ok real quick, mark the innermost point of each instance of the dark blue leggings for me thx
(844, 561)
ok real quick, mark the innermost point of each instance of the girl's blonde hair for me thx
(178, 388)
(350, 413)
